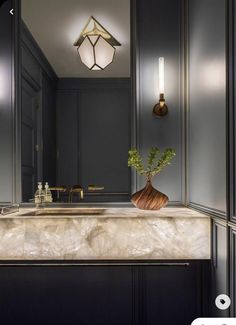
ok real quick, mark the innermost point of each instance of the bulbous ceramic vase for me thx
(149, 198)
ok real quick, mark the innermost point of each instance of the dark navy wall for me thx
(207, 105)
(93, 135)
(6, 104)
(208, 126)
(159, 34)
(38, 74)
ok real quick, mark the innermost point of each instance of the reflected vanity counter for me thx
(117, 233)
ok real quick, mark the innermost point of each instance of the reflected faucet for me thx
(79, 189)
(76, 189)
(94, 188)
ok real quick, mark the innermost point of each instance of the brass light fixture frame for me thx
(93, 27)
(93, 45)
(160, 109)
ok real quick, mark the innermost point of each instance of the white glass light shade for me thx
(104, 53)
(161, 75)
(86, 53)
(96, 53)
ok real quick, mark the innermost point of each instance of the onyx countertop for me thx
(118, 233)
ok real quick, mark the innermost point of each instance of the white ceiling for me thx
(56, 25)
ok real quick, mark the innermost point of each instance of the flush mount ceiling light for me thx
(96, 46)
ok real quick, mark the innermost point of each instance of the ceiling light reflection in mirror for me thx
(96, 46)
(62, 23)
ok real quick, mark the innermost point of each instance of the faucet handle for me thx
(93, 188)
(58, 188)
(76, 189)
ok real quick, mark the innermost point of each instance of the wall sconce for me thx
(96, 46)
(160, 109)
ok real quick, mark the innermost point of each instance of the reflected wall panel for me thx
(93, 136)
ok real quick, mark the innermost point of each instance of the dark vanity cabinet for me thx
(66, 295)
(175, 294)
(121, 294)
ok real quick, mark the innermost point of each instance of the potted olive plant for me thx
(149, 198)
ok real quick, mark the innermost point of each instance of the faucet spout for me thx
(76, 189)
(81, 194)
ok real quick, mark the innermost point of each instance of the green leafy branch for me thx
(156, 161)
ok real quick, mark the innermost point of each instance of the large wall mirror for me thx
(75, 122)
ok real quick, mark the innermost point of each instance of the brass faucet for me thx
(76, 189)
(58, 190)
(79, 189)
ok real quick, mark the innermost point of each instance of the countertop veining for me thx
(120, 233)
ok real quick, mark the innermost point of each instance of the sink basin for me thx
(65, 212)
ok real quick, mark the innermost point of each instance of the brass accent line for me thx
(97, 29)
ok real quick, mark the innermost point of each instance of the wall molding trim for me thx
(28, 78)
(31, 45)
(185, 101)
(232, 267)
(134, 87)
(232, 225)
(231, 121)
(16, 46)
(207, 210)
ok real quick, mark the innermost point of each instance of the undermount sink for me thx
(65, 212)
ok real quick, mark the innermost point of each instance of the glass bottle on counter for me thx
(47, 194)
(39, 194)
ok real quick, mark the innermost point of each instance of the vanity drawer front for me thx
(66, 295)
(110, 293)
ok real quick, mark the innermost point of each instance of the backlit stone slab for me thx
(120, 233)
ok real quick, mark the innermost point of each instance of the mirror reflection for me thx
(75, 99)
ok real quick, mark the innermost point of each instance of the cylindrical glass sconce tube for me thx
(161, 75)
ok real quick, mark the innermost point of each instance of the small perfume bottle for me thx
(47, 194)
(38, 196)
